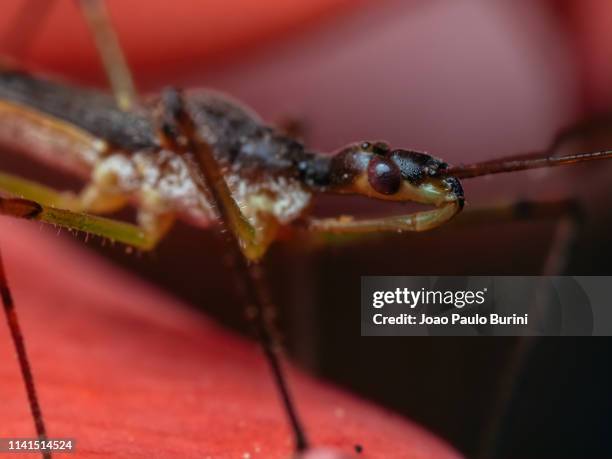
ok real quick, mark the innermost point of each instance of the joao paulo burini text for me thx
(459, 299)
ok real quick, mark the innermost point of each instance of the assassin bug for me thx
(164, 155)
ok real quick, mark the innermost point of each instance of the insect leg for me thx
(22, 357)
(28, 189)
(253, 239)
(567, 213)
(522, 210)
(246, 243)
(91, 199)
(67, 209)
(114, 61)
(114, 230)
(418, 221)
(569, 217)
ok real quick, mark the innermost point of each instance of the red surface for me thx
(131, 373)
(127, 370)
(160, 38)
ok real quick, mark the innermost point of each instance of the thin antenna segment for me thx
(22, 357)
(512, 164)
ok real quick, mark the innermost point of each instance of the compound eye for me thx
(384, 175)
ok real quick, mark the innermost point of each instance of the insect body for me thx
(203, 157)
(271, 176)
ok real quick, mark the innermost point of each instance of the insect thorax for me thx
(260, 167)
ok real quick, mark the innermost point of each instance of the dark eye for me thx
(384, 175)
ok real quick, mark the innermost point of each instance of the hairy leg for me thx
(248, 242)
(41, 203)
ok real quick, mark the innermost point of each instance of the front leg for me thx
(418, 221)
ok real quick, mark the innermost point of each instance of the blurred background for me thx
(465, 81)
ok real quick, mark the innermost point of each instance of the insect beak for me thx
(434, 190)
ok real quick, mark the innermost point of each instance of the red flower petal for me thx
(130, 372)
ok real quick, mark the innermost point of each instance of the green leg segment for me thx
(38, 202)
